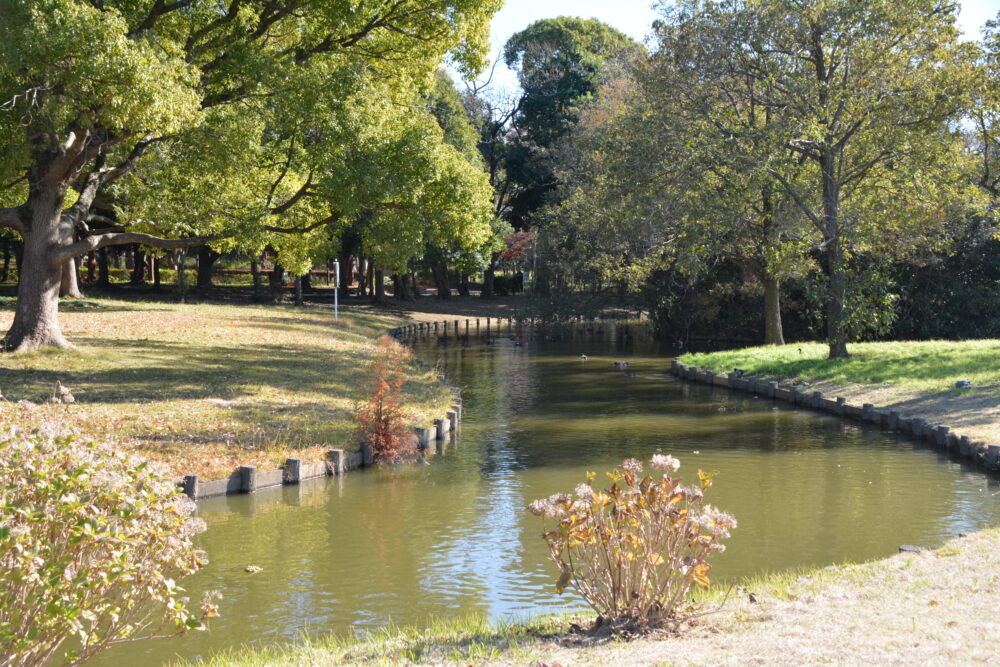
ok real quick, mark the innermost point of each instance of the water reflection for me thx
(405, 543)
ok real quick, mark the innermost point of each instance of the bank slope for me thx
(206, 387)
(916, 378)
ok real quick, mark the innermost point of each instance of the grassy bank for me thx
(913, 608)
(915, 377)
(208, 387)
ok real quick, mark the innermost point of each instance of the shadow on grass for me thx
(84, 306)
(161, 370)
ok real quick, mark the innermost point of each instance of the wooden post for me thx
(293, 471)
(336, 458)
(248, 479)
(191, 486)
(367, 458)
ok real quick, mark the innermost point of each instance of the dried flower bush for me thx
(635, 550)
(92, 543)
(381, 422)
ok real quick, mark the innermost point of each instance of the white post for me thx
(336, 290)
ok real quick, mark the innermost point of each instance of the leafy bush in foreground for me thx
(635, 550)
(92, 542)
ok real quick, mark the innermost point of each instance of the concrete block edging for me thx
(918, 428)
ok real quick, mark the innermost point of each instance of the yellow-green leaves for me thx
(67, 61)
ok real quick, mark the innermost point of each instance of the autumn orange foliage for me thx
(381, 421)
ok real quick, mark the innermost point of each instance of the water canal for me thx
(408, 543)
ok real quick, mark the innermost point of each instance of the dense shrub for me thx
(381, 422)
(92, 543)
(635, 550)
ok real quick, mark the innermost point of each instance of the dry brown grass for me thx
(208, 387)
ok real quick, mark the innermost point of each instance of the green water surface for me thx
(450, 536)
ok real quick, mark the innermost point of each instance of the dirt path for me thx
(429, 309)
(975, 413)
(937, 607)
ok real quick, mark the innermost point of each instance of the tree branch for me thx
(10, 219)
(302, 230)
(98, 241)
(793, 193)
(302, 192)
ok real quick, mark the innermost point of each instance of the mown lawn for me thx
(915, 377)
(208, 387)
(920, 365)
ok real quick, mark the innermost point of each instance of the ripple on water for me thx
(408, 543)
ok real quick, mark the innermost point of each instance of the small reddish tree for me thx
(381, 421)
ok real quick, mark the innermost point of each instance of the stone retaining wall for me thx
(938, 435)
(429, 439)
(247, 479)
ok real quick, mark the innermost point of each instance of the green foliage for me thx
(92, 543)
(635, 550)
(257, 124)
(559, 62)
(791, 142)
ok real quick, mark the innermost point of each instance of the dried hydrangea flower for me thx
(664, 463)
(632, 465)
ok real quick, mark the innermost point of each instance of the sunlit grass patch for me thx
(208, 387)
(462, 640)
(922, 365)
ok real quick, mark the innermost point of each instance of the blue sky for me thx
(633, 17)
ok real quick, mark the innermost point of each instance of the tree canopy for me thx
(172, 123)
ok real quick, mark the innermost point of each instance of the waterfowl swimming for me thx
(583, 357)
(621, 364)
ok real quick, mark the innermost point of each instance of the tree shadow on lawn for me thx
(86, 306)
(159, 370)
(263, 426)
(958, 410)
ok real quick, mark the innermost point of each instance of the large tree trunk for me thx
(399, 287)
(255, 272)
(440, 272)
(834, 255)
(414, 285)
(69, 281)
(155, 268)
(36, 315)
(276, 281)
(299, 301)
(103, 273)
(488, 291)
(378, 275)
(307, 282)
(138, 266)
(345, 274)
(463, 285)
(206, 260)
(773, 332)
